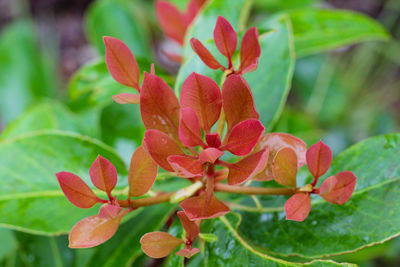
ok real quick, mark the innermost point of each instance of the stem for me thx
(248, 190)
(142, 202)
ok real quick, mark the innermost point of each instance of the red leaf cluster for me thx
(226, 40)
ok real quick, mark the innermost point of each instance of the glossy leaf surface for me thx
(318, 30)
(142, 172)
(159, 244)
(34, 185)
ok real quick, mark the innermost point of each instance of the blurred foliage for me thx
(342, 96)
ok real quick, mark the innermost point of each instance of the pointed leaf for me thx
(275, 142)
(142, 172)
(186, 166)
(238, 101)
(197, 208)
(103, 174)
(171, 21)
(203, 95)
(213, 140)
(189, 128)
(187, 252)
(210, 155)
(159, 244)
(126, 98)
(205, 55)
(297, 207)
(160, 146)
(243, 137)
(159, 106)
(94, 230)
(121, 63)
(284, 167)
(191, 228)
(250, 51)
(192, 9)
(76, 190)
(248, 167)
(225, 37)
(319, 158)
(339, 188)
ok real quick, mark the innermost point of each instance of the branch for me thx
(248, 190)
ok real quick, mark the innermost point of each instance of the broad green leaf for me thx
(121, 19)
(371, 216)
(48, 115)
(232, 249)
(278, 5)
(37, 250)
(202, 29)
(270, 83)
(8, 242)
(93, 86)
(30, 198)
(318, 30)
(124, 248)
(27, 73)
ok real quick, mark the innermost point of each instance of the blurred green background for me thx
(342, 96)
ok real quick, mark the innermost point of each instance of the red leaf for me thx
(171, 21)
(225, 37)
(189, 128)
(142, 172)
(297, 207)
(103, 174)
(284, 167)
(197, 208)
(205, 55)
(95, 230)
(160, 146)
(319, 158)
(126, 98)
(339, 188)
(159, 244)
(76, 190)
(121, 63)
(275, 142)
(187, 252)
(192, 9)
(186, 166)
(250, 51)
(191, 228)
(203, 95)
(243, 137)
(237, 101)
(213, 140)
(108, 211)
(159, 106)
(210, 155)
(248, 167)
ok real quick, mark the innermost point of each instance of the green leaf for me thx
(202, 28)
(8, 242)
(232, 250)
(124, 247)
(44, 251)
(93, 86)
(277, 5)
(27, 73)
(47, 115)
(121, 19)
(270, 83)
(371, 216)
(318, 30)
(30, 198)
